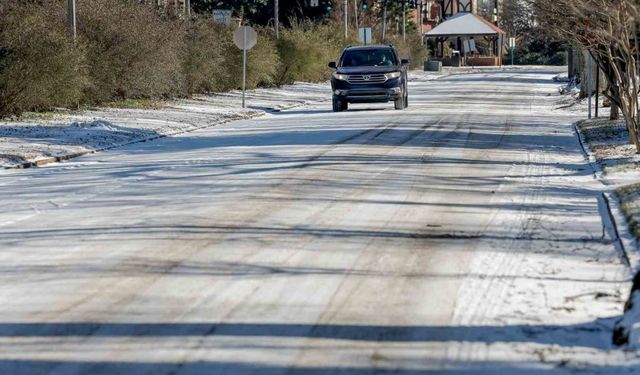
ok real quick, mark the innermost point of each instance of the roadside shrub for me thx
(559, 58)
(262, 61)
(40, 67)
(305, 50)
(132, 50)
(412, 49)
(208, 45)
(531, 58)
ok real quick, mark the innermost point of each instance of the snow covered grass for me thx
(629, 196)
(618, 166)
(135, 104)
(609, 143)
(608, 146)
(43, 138)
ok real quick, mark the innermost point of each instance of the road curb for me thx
(598, 173)
(628, 242)
(61, 158)
(626, 330)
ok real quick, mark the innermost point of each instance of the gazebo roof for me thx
(465, 24)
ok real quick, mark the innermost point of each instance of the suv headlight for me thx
(340, 77)
(393, 75)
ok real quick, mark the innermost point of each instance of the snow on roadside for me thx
(28, 142)
(609, 144)
(618, 166)
(34, 142)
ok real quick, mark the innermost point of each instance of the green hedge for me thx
(411, 49)
(205, 66)
(40, 67)
(128, 50)
(305, 51)
(132, 50)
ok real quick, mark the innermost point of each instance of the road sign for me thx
(469, 46)
(245, 37)
(364, 34)
(313, 3)
(512, 47)
(222, 16)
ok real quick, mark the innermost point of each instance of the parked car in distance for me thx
(369, 74)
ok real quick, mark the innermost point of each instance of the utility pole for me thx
(187, 8)
(355, 12)
(346, 19)
(71, 18)
(404, 20)
(384, 20)
(420, 18)
(589, 78)
(597, 88)
(276, 12)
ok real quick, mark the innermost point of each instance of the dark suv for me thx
(369, 74)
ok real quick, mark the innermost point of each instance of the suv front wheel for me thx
(403, 101)
(339, 105)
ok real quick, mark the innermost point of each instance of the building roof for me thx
(465, 24)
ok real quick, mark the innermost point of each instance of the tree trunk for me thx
(572, 70)
(632, 125)
(615, 112)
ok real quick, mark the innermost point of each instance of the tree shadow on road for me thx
(589, 337)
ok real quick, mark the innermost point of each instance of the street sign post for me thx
(222, 16)
(71, 18)
(245, 38)
(364, 34)
(512, 48)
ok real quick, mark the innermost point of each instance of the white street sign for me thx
(245, 37)
(512, 43)
(222, 16)
(469, 46)
(313, 3)
(364, 34)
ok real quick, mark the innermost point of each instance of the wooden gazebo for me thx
(464, 29)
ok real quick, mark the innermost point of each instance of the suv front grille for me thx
(367, 78)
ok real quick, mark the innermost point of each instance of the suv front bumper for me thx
(367, 93)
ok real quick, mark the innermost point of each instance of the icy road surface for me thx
(464, 235)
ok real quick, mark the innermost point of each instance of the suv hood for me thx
(368, 69)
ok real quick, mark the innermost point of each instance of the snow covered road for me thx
(461, 236)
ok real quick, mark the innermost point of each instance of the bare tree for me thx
(607, 29)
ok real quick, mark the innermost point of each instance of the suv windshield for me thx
(369, 57)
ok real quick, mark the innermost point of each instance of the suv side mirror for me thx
(404, 61)
(333, 65)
